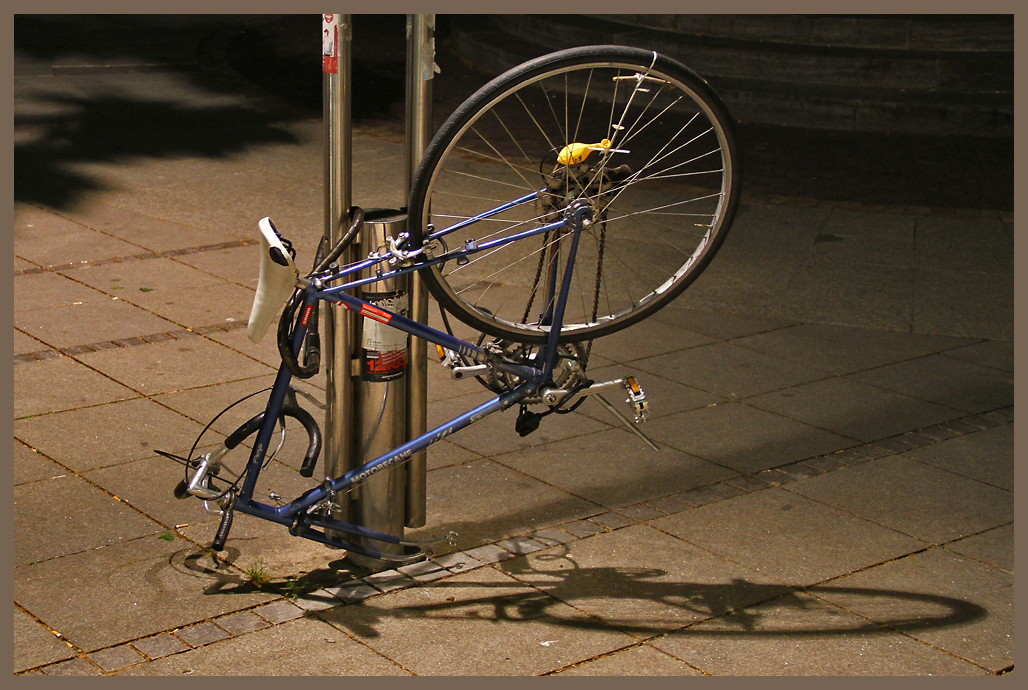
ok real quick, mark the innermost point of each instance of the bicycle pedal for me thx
(527, 421)
(637, 399)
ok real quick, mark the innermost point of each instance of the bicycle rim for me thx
(638, 137)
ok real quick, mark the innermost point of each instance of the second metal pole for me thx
(420, 71)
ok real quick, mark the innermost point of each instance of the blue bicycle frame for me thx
(297, 514)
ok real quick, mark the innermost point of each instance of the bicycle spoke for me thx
(657, 181)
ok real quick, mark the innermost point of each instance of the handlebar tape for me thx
(290, 408)
(222, 535)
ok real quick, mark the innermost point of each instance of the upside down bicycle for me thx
(600, 182)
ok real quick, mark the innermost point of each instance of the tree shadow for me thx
(121, 130)
(214, 55)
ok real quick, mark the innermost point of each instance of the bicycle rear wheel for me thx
(639, 137)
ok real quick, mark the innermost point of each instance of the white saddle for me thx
(275, 285)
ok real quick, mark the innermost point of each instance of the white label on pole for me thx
(330, 43)
(378, 337)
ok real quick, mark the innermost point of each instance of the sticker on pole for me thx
(384, 349)
(330, 43)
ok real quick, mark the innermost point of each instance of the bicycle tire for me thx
(656, 227)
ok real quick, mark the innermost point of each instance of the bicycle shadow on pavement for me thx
(639, 601)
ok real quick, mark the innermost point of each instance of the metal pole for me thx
(340, 393)
(378, 503)
(420, 71)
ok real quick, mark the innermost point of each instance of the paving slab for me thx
(48, 526)
(116, 658)
(279, 611)
(614, 468)
(646, 339)
(260, 545)
(34, 645)
(849, 293)
(47, 239)
(958, 605)
(787, 536)
(81, 386)
(770, 439)
(480, 623)
(126, 591)
(265, 351)
(927, 503)
(972, 304)
(838, 350)
(747, 287)
(718, 325)
(173, 365)
(994, 547)
(853, 409)
(787, 228)
(160, 646)
(200, 306)
(728, 370)
(798, 635)
(21, 264)
(642, 660)
(25, 343)
(204, 403)
(486, 502)
(963, 244)
(641, 581)
(304, 647)
(49, 289)
(30, 466)
(876, 236)
(147, 485)
(238, 198)
(446, 454)
(106, 435)
(936, 378)
(201, 633)
(986, 456)
(135, 280)
(236, 264)
(145, 231)
(990, 353)
(73, 667)
(82, 324)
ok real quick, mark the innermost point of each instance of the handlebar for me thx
(290, 408)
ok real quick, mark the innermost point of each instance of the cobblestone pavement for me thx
(833, 400)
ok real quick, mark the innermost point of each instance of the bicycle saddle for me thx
(276, 283)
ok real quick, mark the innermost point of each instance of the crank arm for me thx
(551, 395)
(624, 420)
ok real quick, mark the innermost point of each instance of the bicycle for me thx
(604, 179)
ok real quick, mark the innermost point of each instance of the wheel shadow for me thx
(555, 590)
